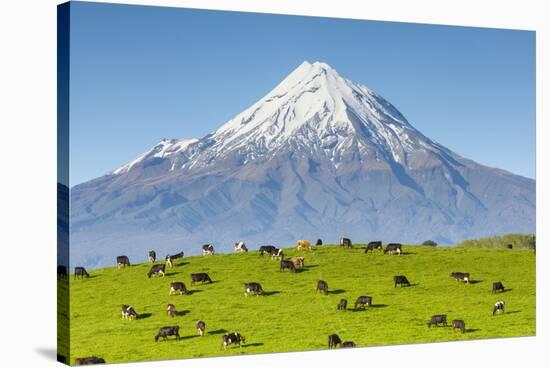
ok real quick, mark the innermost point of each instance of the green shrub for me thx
(429, 243)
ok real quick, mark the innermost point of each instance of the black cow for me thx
(157, 269)
(363, 301)
(459, 324)
(319, 242)
(498, 286)
(122, 261)
(459, 276)
(498, 307)
(333, 341)
(254, 288)
(400, 279)
(286, 264)
(374, 245)
(166, 331)
(266, 249)
(322, 286)
(79, 271)
(61, 272)
(348, 344)
(207, 249)
(88, 360)
(200, 277)
(128, 312)
(345, 242)
(438, 320)
(343, 304)
(232, 338)
(509, 246)
(171, 310)
(394, 247)
(176, 287)
(152, 256)
(201, 327)
(170, 258)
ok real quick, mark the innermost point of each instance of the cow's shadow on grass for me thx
(311, 266)
(379, 305)
(359, 309)
(170, 274)
(252, 345)
(270, 293)
(182, 312)
(472, 330)
(182, 263)
(146, 315)
(512, 312)
(337, 291)
(504, 291)
(189, 337)
(193, 291)
(475, 281)
(217, 331)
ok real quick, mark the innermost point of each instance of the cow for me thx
(79, 271)
(400, 279)
(201, 327)
(363, 301)
(304, 245)
(345, 242)
(176, 287)
(277, 254)
(342, 305)
(297, 261)
(509, 246)
(61, 272)
(266, 249)
(322, 286)
(200, 277)
(207, 249)
(152, 256)
(459, 276)
(286, 264)
(373, 245)
(171, 310)
(88, 360)
(240, 247)
(254, 288)
(498, 286)
(156, 270)
(498, 307)
(166, 331)
(122, 261)
(348, 344)
(393, 247)
(232, 338)
(333, 341)
(128, 313)
(459, 324)
(319, 242)
(438, 320)
(170, 258)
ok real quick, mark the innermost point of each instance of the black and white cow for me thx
(240, 247)
(345, 242)
(322, 286)
(80, 272)
(171, 310)
(157, 269)
(128, 313)
(253, 288)
(498, 287)
(393, 247)
(348, 344)
(122, 261)
(286, 264)
(207, 249)
(319, 242)
(232, 338)
(277, 253)
(88, 360)
(152, 256)
(438, 320)
(61, 272)
(374, 245)
(363, 301)
(400, 279)
(166, 331)
(498, 307)
(170, 258)
(176, 287)
(342, 305)
(334, 341)
(459, 324)
(201, 327)
(267, 249)
(459, 276)
(200, 277)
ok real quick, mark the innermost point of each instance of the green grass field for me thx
(293, 316)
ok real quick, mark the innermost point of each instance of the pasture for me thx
(292, 316)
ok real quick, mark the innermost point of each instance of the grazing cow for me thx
(232, 338)
(122, 261)
(79, 271)
(201, 327)
(319, 242)
(166, 331)
(61, 272)
(128, 312)
(200, 277)
(171, 310)
(363, 301)
(152, 256)
(170, 258)
(157, 269)
(297, 261)
(304, 245)
(277, 254)
(345, 242)
(348, 344)
(463, 277)
(393, 247)
(207, 249)
(400, 279)
(459, 324)
(438, 320)
(510, 246)
(498, 307)
(88, 360)
(342, 305)
(267, 249)
(333, 341)
(498, 286)
(374, 245)
(322, 286)
(240, 247)
(286, 264)
(176, 287)
(254, 288)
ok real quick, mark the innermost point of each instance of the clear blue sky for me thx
(140, 74)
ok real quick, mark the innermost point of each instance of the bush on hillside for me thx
(429, 243)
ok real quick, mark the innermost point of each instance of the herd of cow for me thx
(254, 288)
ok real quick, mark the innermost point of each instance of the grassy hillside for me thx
(517, 240)
(293, 316)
